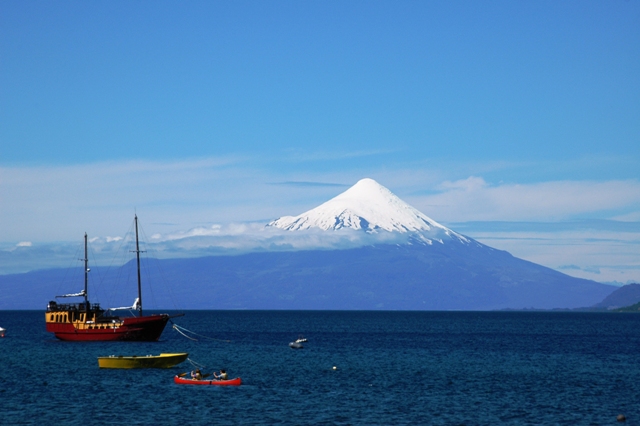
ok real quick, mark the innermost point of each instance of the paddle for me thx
(184, 374)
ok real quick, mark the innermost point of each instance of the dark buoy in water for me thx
(621, 418)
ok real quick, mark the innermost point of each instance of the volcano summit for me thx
(372, 208)
(427, 267)
(437, 268)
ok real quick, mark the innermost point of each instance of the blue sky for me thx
(515, 123)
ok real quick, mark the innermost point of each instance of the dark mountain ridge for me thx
(385, 277)
(434, 268)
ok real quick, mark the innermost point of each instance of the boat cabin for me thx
(82, 315)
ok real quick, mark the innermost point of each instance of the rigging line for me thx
(66, 272)
(95, 289)
(195, 364)
(163, 276)
(177, 327)
(148, 282)
(147, 261)
(190, 338)
(117, 253)
(116, 277)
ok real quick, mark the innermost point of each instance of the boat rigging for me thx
(85, 321)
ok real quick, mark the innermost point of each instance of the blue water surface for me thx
(433, 368)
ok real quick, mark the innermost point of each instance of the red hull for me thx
(140, 329)
(85, 321)
(231, 382)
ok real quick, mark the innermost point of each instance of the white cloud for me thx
(628, 217)
(244, 237)
(597, 254)
(220, 205)
(48, 204)
(233, 238)
(472, 199)
(55, 203)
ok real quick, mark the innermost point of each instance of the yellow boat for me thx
(144, 361)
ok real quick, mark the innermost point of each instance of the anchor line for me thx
(183, 330)
(196, 364)
(175, 327)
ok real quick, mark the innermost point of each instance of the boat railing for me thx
(54, 306)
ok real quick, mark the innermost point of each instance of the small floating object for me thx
(2, 330)
(621, 418)
(145, 361)
(185, 381)
(297, 344)
(335, 368)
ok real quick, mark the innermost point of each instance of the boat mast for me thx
(86, 273)
(138, 258)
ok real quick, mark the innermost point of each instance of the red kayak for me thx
(184, 381)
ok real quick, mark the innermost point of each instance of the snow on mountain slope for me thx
(371, 207)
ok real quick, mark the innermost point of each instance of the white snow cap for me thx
(369, 206)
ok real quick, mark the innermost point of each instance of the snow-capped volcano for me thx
(368, 206)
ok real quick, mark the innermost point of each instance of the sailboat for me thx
(85, 321)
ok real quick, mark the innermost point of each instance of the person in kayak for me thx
(197, 375)
(221, 376)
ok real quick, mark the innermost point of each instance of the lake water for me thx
(434, 368)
